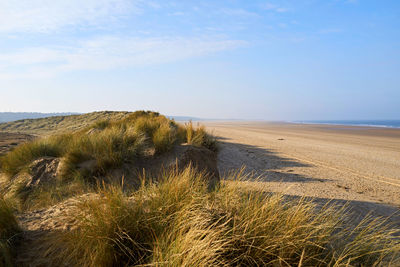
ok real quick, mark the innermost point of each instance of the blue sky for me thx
(270, 60)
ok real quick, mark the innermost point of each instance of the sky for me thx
(255, 60)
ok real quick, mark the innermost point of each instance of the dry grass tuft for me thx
(16, 160)
(9, 231)
(199, 137)
(177, 222)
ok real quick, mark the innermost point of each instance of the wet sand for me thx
(343, 163)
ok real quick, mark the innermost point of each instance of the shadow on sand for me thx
(264, 165)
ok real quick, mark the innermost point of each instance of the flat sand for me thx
(356, 165)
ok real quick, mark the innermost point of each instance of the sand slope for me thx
(356, 164)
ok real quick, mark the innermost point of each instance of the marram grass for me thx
(105, 146)
(9, 233)
(177, 222)
(108, 143)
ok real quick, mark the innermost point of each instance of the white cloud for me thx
(107, 53)
(50, 15)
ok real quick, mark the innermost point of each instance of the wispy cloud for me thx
(107, 53)
(238, 12)
(274, 7)
(51, 15)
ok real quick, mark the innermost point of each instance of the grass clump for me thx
(50, 194)
(9, 231)
(177, 222)
(16, 160)
(199, 137)
(108, 149)
(115, 229)
(162, 132)
(101, 124)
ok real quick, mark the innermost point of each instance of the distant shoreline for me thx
(391, 124)
(363, 126)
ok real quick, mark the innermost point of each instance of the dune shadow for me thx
(266, 165)
(357, 211)
(260, 163)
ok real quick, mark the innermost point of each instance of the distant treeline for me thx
(14, 116)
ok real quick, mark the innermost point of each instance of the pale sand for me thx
(344, 163)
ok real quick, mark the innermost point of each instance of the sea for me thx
(367, 123)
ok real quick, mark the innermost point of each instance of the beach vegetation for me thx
(9, 233)
(176, 221)
(89, 155)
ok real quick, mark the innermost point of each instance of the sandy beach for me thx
(359, 165)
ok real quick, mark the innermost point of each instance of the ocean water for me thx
(369, 123)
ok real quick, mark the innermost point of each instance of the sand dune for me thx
(345, 163)
(11, 140)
